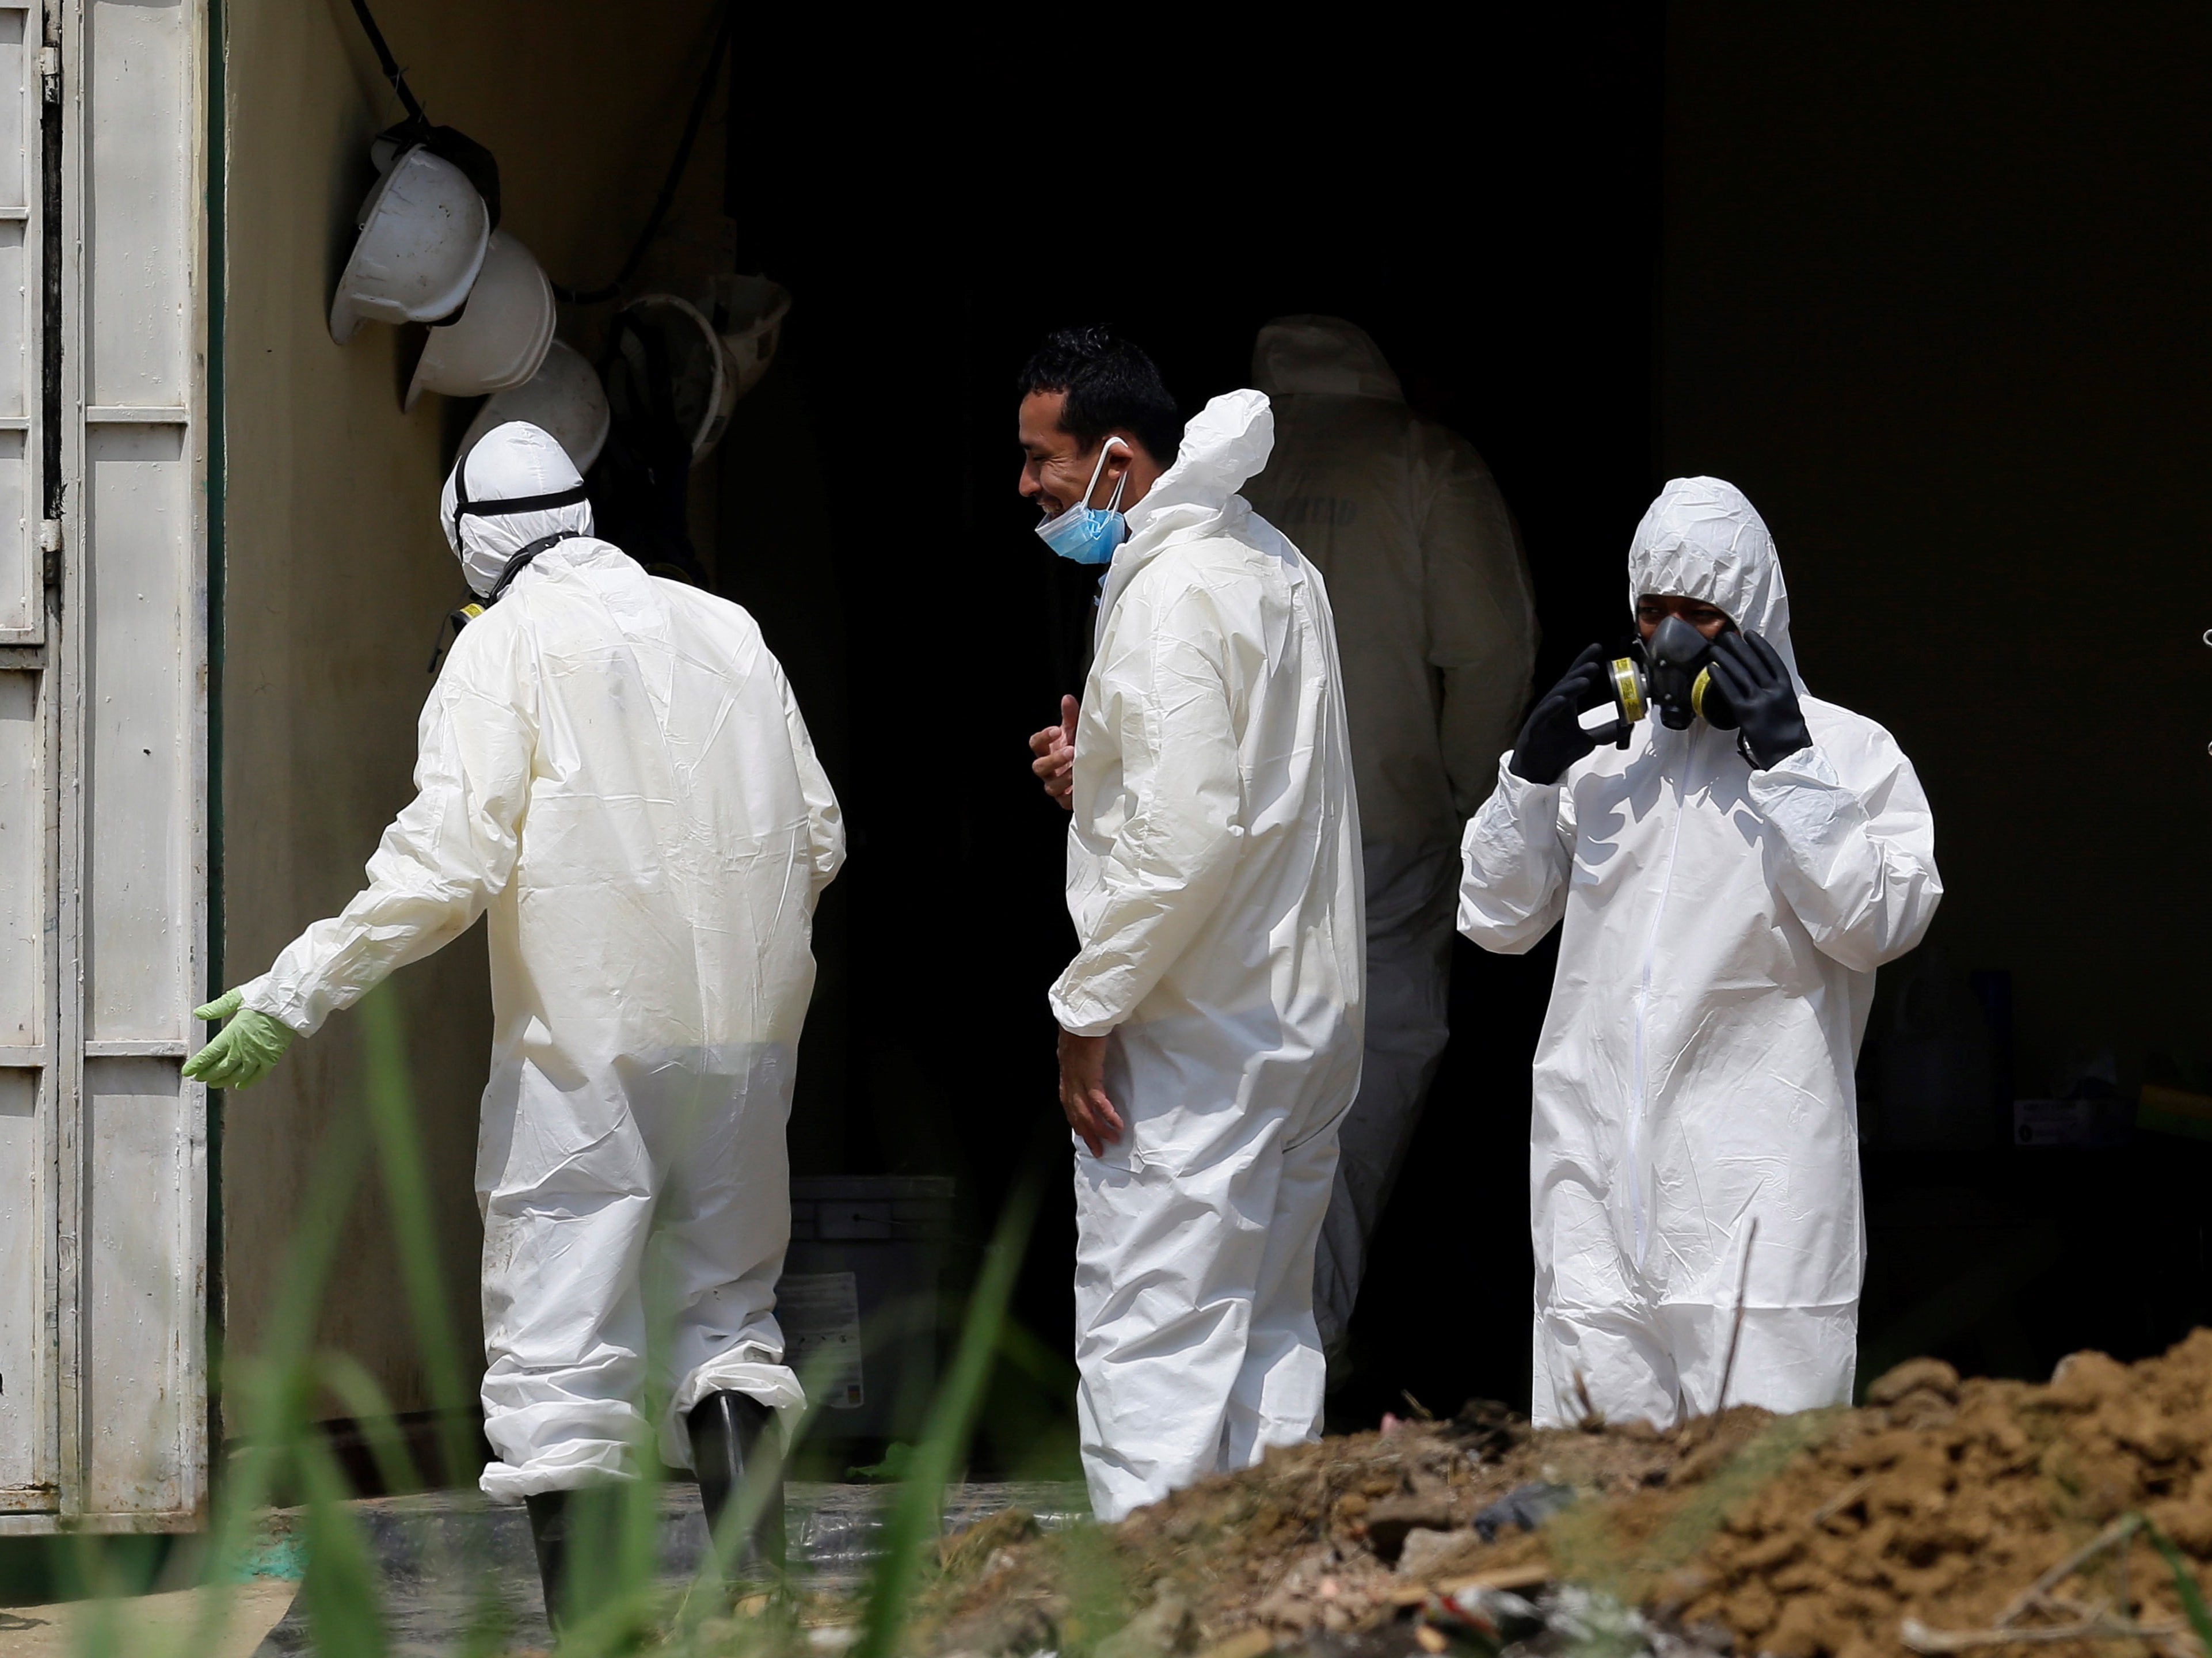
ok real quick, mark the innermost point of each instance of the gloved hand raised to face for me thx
(247, 1050)
(1553, 738)
(1757, 683)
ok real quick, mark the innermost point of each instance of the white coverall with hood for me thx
(1720, 930)
(1214, 879)
(1437, 633)
(612, 767)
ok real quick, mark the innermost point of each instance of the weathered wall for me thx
(336, 576)
(1934, 296)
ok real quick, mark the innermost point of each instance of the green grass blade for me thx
(342, 1592)
(349, 1382)
(917, 1514)
(2184, 1585)
(763, 1480)
(414, 1227)
(275, 1393)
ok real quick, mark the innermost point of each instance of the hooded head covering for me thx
(517, 461)
(1322, 354)
(1703, 539)
(1226, 443)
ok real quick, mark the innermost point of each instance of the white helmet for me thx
(748, 313)
(564, 398)
(502, 333)
(423, 232)
(700, 389)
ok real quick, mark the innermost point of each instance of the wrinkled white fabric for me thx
(612, 769)
(524, 462)
(1720, 930)
(1437, 631)
(1214, 879)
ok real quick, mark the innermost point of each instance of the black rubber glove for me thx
(1756, 682)
(1553, 738)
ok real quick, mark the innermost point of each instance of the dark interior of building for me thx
(1927, 287)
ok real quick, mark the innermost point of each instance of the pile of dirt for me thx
(1820, 1535)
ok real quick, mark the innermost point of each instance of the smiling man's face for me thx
(1055, 468)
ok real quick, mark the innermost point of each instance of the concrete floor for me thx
(441, 1555)
(152, 1625)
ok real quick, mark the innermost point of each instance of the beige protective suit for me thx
(612, 768)
(1436, 629)
(1214, 880)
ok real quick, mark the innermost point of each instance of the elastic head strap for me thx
(464, 508)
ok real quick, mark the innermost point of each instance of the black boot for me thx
(549, 1533)
(727, 1430)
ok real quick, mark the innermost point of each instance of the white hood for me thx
(509, 463)
(1703, 539)
(1326, 355)
(1226, 443)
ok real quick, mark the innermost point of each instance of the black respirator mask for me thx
(1671, 674)
(464, 508)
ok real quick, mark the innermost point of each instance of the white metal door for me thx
(103, 1219)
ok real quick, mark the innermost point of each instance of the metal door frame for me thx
(58, 448)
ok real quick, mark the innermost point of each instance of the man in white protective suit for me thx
(612, 766)
(1210, 1022)
(1436, 628)
(1726, 886)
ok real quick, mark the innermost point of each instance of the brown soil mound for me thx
(1812, 1536)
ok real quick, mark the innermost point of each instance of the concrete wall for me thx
(1934, 296)
(337, 575)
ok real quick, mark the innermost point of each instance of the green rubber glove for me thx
(246, 1050)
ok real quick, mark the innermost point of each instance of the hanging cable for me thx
(390, 65)
(463, 151)
(482, 171)
(667, 196)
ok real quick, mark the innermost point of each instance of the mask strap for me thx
(1091, 488)
(475, 608)
(521, 561)
(498, 507)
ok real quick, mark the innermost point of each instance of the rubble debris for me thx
(1945, 1516)
(1525, 1506)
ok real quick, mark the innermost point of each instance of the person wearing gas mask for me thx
(1728, 859)
(1438, 637)
(613, 768)
(1210, 1021)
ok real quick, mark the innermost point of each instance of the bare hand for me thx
(1055, 749)
(1083, 1092)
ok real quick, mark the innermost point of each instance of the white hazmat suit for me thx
(1214, 879)
(611, 766)
(1720, 930)
(1437, 634)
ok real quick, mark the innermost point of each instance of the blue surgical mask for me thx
(1086, 533)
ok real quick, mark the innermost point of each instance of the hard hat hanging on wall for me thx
(501, 335)
(430, 251)
(426, 222)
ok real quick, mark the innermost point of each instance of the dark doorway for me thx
(1494, 226)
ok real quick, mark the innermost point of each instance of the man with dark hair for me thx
(1211, 1020)
(1105, 385)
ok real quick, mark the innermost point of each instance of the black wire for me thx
(391, 64)
(667, 196)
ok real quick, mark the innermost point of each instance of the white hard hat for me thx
(748, 313)
(423, 232)
(502, 333)
(564, 398)
(700, 385)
